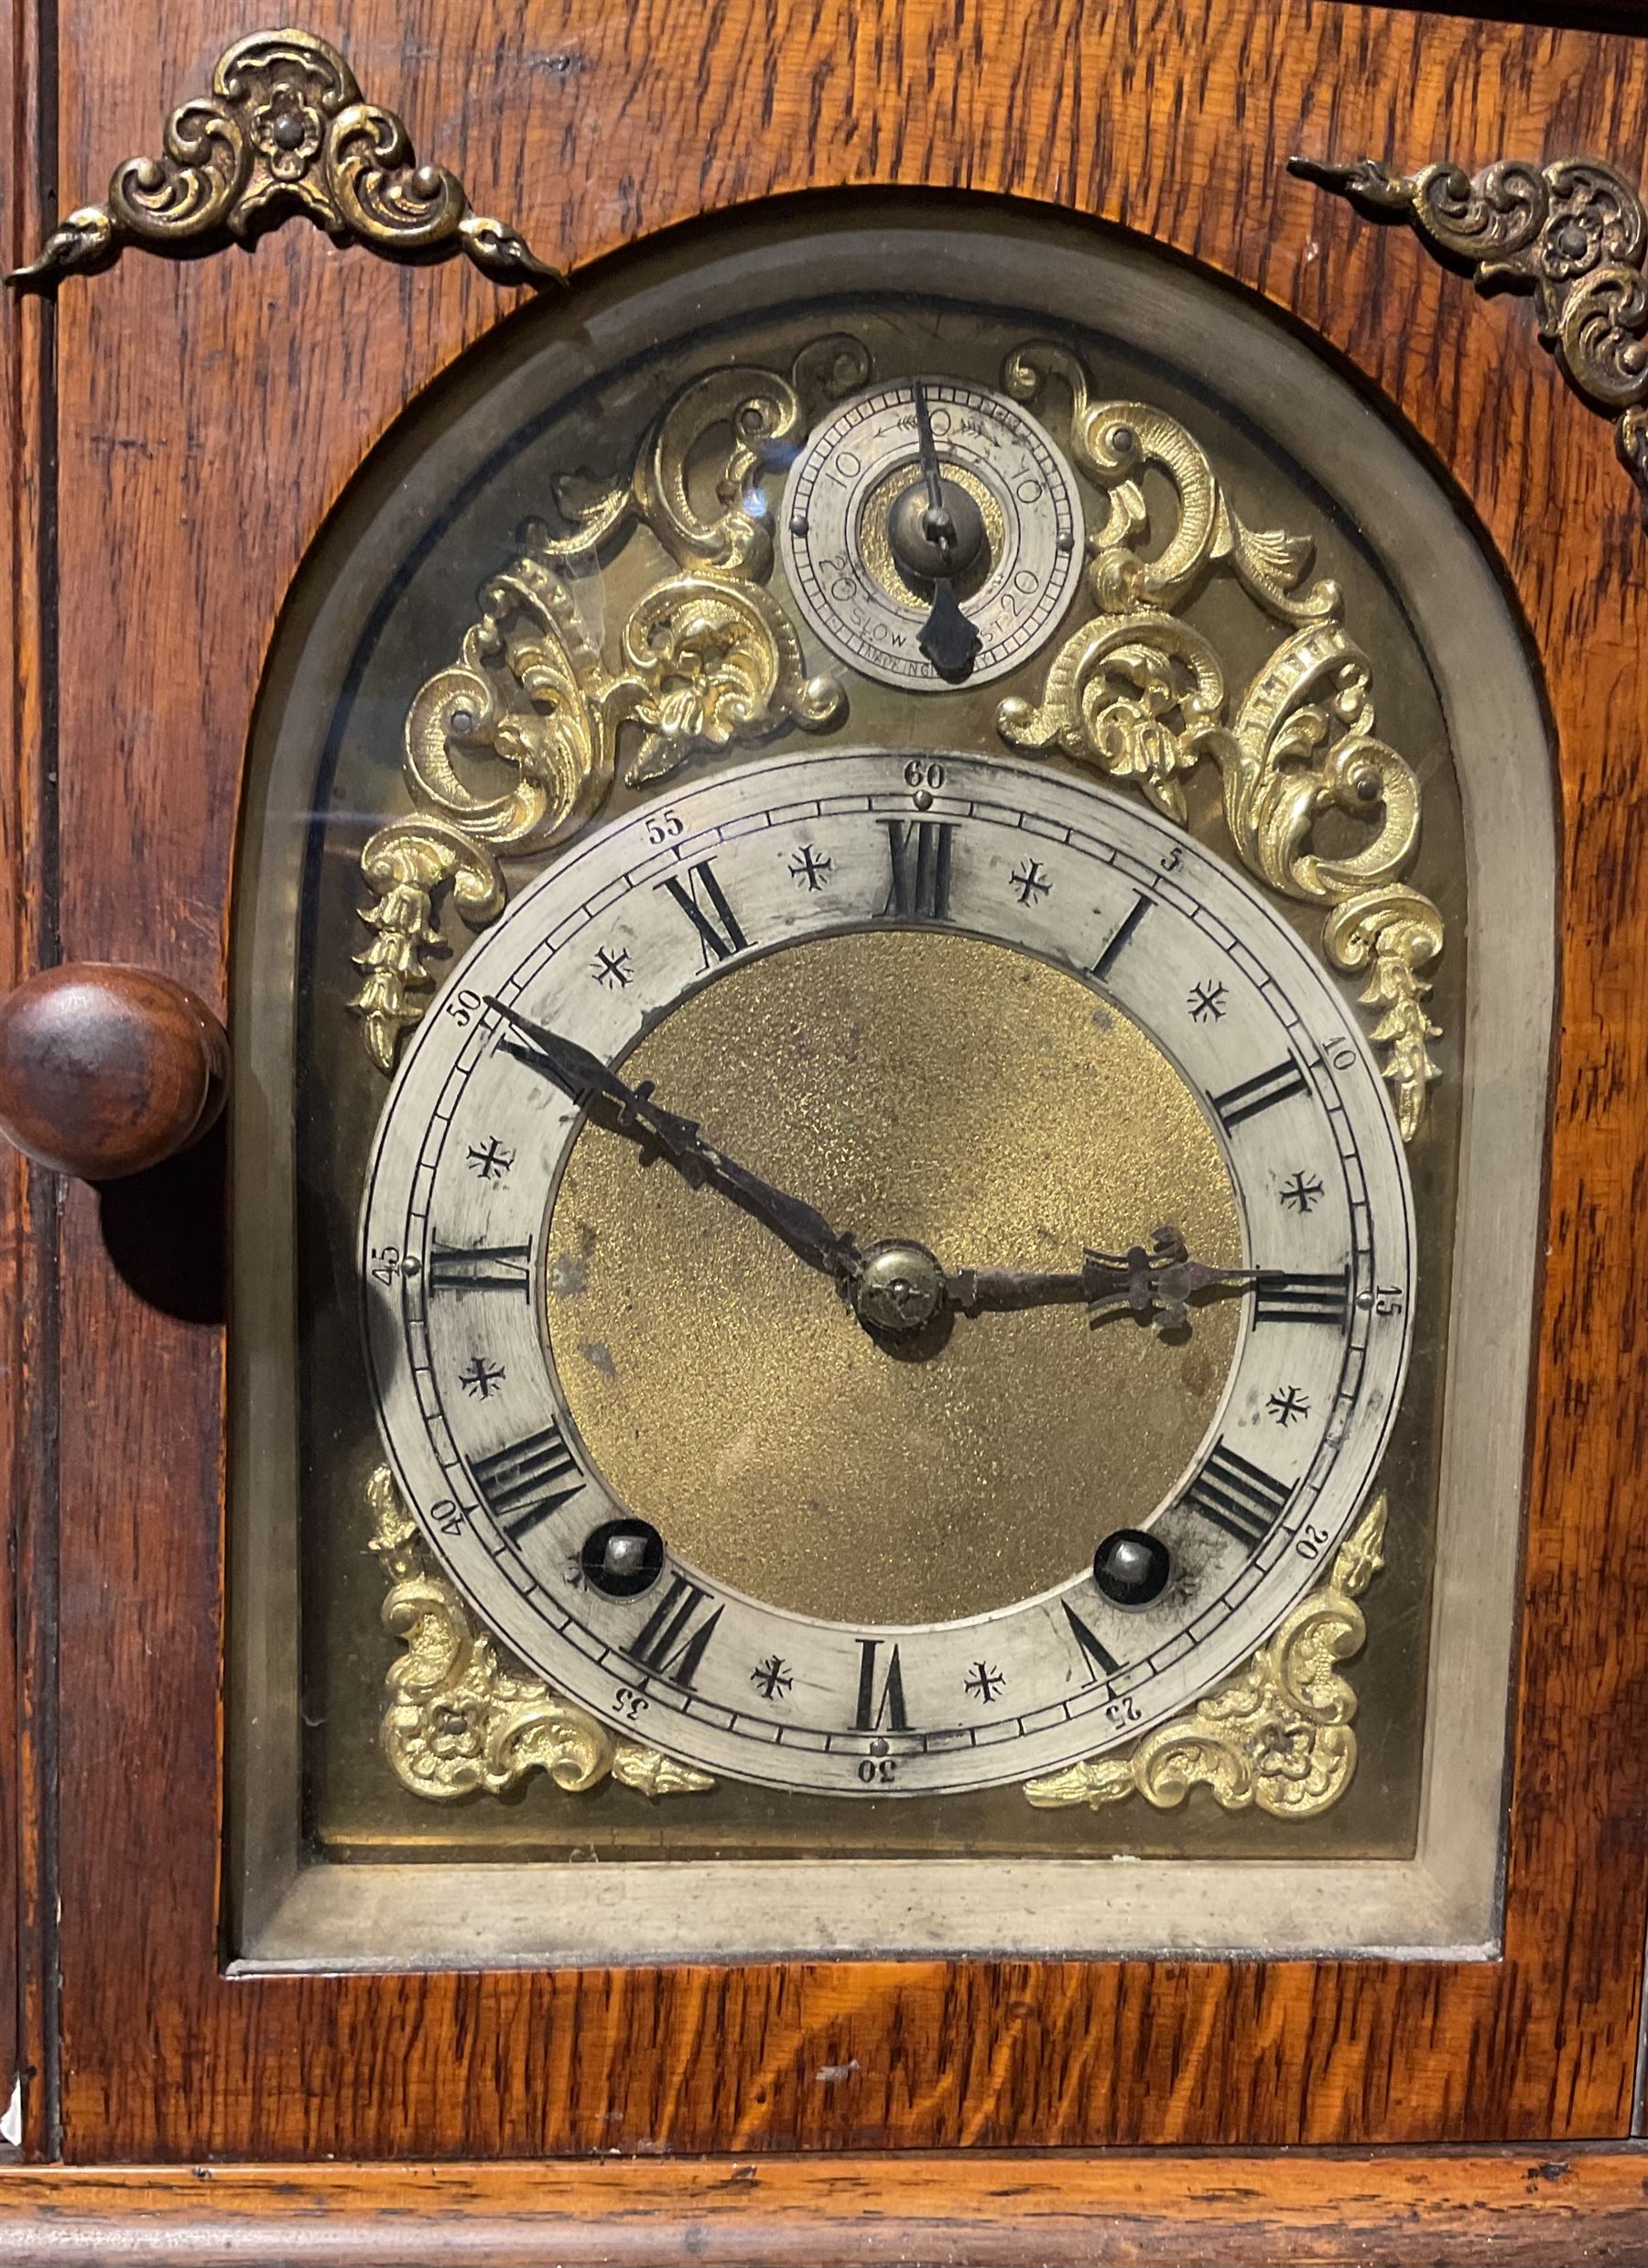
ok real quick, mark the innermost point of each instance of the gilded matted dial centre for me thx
(927, 1090)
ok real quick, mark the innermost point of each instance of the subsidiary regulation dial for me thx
(919, 497)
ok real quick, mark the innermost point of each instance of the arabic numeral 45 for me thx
(388, 1264)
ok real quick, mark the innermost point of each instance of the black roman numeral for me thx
(480, 1268)
(1279, 1297)
(668, 1644)
(919, 883)
(525, 1484)
(1119, 943)
(718, 934)
(1259, 1093)
(1103, 1662)
(887, 1709)
(1241, 1498)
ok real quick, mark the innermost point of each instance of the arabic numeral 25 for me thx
(1123, 1711)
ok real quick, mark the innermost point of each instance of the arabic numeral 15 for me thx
(1389, 1299)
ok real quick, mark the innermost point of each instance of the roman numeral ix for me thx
(480, 1268)
(525, 1484)
(1241, 1498)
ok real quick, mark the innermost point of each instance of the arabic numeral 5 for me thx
(1312, 1543)
(629, 1703)
(878, 1773)
(663, 826)
(1125, 1711)
(465, 1008)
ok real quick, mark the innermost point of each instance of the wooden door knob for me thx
(104, 1071)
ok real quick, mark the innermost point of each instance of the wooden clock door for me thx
(180, 429)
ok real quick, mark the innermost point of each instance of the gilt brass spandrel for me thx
(918, 1085)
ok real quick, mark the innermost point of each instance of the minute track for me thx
(1101, 856)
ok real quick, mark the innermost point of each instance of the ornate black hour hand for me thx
(586, 1080)
(1157, 1284)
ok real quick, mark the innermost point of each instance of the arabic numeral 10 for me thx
(1340, 1052)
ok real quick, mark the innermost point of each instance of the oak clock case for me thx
(905, 1236)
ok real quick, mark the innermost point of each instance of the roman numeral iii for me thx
(1279, 1297)
(1238, 1496)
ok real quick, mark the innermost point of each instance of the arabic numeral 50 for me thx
(465, 1008)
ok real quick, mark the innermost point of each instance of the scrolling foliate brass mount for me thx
(285, 129)
(1573, 234)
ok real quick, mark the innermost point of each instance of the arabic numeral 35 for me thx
(629, 1703)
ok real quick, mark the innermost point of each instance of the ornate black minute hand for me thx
(947, 639)
(586, 1078)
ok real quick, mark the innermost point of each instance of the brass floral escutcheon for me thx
(458, 1721)
(1278, 1735)
(285, 129)
(1573, 233)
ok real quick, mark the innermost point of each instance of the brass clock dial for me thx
(893, 1272)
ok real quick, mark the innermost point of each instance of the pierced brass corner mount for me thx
(1573, 234)
(285, 129)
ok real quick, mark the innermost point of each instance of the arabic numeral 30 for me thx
(878, 1774)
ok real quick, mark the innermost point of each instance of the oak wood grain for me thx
(211, 415)
(1438, 2211)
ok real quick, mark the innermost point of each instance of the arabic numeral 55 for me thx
(663, 826)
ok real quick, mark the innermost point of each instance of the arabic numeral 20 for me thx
(1312, 1543)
